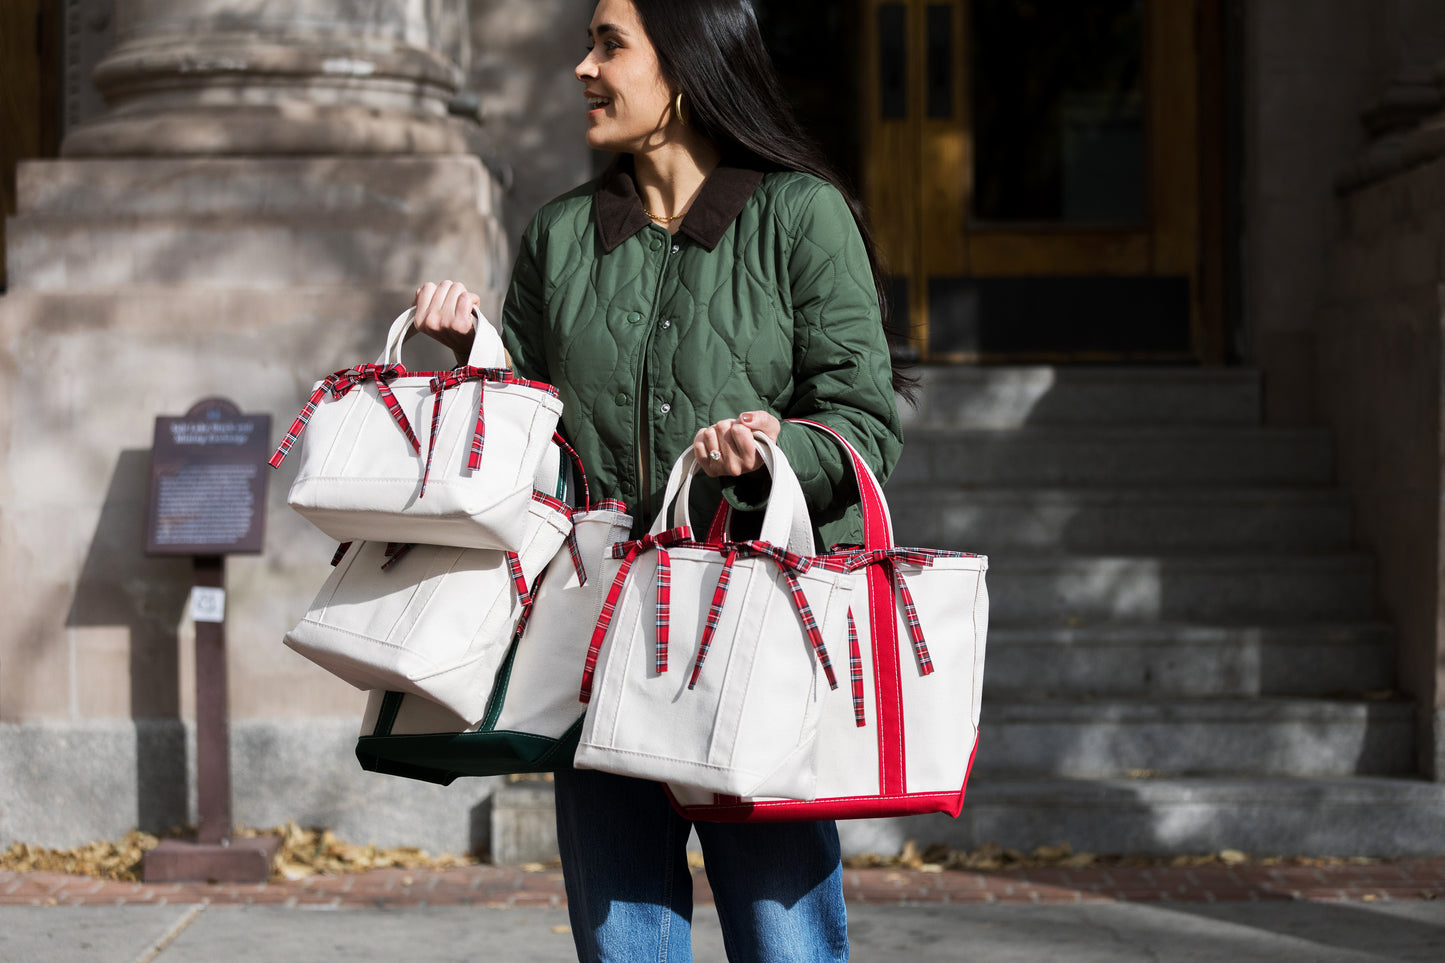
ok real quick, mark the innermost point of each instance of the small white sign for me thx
(208, 604)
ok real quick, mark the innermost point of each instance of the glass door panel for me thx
(1032, 170)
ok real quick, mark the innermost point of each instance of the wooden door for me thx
(1034, 175)
(29, 93)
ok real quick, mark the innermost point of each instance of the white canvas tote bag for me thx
(440, 457)
(533, 715)
(904, 743)
(433, 620)
(755, 623)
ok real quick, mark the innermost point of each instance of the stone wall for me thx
(267, 187)
(1344, 237)
(1380, 376)
(533, 118)
(1306, 76)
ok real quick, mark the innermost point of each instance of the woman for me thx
(712, 282)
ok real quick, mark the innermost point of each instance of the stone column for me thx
(259, 77)
(270, 182)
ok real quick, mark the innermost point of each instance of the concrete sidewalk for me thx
(977, 933)
(1239, 914)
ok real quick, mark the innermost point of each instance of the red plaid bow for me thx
(788, 563)
(628, 552)
(455, 379)
(889, 559)
(339, 384)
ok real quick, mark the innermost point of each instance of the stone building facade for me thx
(242, 194)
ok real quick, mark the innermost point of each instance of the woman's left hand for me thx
(727, 448)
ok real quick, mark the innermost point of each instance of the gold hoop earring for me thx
(677, 109)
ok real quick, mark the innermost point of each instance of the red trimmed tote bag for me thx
(904, 743)
(709, 666)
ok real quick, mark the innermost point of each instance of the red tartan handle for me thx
(581, 469)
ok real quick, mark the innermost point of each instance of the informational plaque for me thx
(208, 500)
(208, 482)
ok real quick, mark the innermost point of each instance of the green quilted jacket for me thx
(763, 300)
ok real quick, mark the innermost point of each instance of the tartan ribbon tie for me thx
(455, 379)
(575, 551)
(519, 581)
(628, 552)
(889, 559)
(790, 565)
(338, 384)
(855, 671)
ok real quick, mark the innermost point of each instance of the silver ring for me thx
(715, 455)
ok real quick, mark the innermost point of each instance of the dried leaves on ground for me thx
(303, 853)
(311, 852)
(106, 860)
(990, 856)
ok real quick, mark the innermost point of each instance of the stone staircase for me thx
(1185, 652)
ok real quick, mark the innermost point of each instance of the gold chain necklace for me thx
(660, 217)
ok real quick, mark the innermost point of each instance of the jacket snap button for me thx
(657, 244)
(634, 317)
(666, 408)
(667, 323)
(621, 399)
(676, 248)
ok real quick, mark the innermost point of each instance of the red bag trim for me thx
(731, 809)
(887, 681)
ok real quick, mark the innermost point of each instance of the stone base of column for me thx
(266, 129)
(372, 222)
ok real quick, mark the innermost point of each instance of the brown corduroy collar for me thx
(619, 210)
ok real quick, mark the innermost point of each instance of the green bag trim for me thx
(440, 757)
(443, 756)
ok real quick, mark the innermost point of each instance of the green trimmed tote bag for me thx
(533, 715)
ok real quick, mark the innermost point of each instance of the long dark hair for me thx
(713, 52)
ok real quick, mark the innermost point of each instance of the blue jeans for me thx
(778, 887)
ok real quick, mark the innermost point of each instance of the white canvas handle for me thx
(785, 520)
(487, 350)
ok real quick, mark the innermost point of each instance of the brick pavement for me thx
(511, 887)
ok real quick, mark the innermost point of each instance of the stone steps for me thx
(1115, 456)
(1238, 589)
(960, 396)
(1013, 521)
(1260, 815)
(1184, 648)
(1169, 661)
(1263, 736)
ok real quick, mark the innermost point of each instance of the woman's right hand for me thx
(444, 311)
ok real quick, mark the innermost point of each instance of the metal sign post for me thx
(208, 500)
